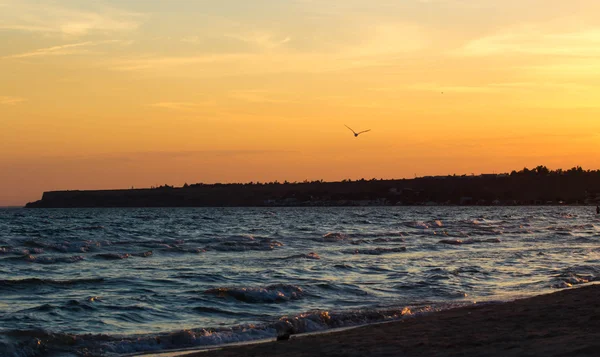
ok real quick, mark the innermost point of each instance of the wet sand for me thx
(564, 323)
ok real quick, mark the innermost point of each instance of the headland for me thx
(526, 187)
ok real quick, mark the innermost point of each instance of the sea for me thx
(113, 282)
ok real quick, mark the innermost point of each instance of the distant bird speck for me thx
(354, 132)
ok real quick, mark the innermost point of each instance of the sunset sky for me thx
(114, 94)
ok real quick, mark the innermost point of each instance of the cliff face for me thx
(485, 189)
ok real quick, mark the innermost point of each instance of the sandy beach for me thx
(564, 323)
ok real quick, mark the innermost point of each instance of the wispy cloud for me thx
(245, 63)
(11, 100)
(262, 40)
(63, 50)
(48, 17)
(392, 38)
(452, 88)
(262, 52)
(498, 87)
(532, 40)
(178, 106)
(142, 63)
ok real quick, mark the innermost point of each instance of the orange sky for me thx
(114, 94)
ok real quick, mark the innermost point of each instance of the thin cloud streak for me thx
(534, 41)
(248, 64)
(261, 40)
(11, 100)
(263, 52)
(47, 17)
(143, 63)
(178, 106)
(64, 50)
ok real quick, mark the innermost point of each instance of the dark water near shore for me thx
(117, 281)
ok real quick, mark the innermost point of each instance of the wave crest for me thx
(271, 294)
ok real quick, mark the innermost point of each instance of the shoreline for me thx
(418, 205)
(562, 323)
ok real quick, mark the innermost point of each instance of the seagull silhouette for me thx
(355, 133)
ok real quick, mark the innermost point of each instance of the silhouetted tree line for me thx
(543, 170)
(527, 186)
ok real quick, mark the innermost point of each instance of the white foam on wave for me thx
(576, 275)
(35, 343)
(270, 294)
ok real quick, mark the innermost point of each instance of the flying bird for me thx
(354, 132)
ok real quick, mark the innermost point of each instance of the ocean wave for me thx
(376, 251)
(417, 224)
(89, 228)
(343, 266)
(66, 246)
(36, 309)
(78, 306)
(212, 310)
(271, 294)
(34, 283)
(388, 240)
(143, 254)
(338, 237)
(183, 250)
(244, 243)
(39, 282)
(120, 256)
(469, 241)
(51, 259)
(456, 234)
(378, 235)
(113, 256)
(311, 255)
(334, 237)
(576, 276)
(30, 343)
(20, 251)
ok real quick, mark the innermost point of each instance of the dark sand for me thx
(565, 323)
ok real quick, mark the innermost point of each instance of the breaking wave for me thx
(271, 294)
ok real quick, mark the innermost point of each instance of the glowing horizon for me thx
(114, 94)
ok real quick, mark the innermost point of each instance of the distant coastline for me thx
(538, 186)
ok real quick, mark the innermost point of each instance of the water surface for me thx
(117, 281)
